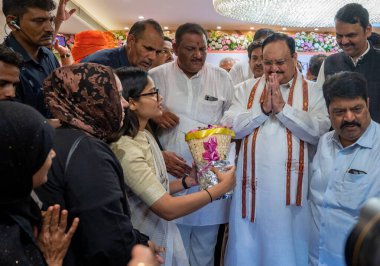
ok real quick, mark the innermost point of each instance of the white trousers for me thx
(199, 242)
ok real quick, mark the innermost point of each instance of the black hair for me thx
(138, 28)
(353, 13)
(315, 63)
(189, 28)
(133, 81)
(262, 34)
(19, 7)
(7, 55)
(375, 40)
(281, 37)
(346, 85)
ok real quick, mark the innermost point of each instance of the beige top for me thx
(136, 158)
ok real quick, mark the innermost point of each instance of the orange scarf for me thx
(290, 149)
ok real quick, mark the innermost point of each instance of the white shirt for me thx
(240, 72)
(197, 101)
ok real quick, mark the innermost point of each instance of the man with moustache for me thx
(195, 94)
(32, 25)
(279, 119)
(352, 30)
(144, 44)
(166, 54)
(243, 71)
(345, 170)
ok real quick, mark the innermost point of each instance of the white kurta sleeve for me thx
(310, 125)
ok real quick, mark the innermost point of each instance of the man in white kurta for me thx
(196, 94)
(279, 117)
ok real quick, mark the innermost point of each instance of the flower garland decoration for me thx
(315, 42)
(220, 41)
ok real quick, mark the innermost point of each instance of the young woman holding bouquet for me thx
(149, 190)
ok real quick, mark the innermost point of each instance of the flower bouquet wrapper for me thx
(209, 148)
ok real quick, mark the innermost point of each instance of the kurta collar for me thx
(367, 140)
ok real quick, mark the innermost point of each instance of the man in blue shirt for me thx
(32, 25)
(10, 63)
(144, 42)
(345, 170)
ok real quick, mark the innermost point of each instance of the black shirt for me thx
(33, 74)
(115, 58)
(91, 188)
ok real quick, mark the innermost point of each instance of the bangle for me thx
(262, 110)
(65, 55)
(208, 194)
(184, 183)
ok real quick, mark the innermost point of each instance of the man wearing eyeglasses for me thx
(243, 71)
(195, 94)
(279, 117)
(166, 54)
(352, 29)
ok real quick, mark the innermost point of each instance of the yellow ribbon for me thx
(209, 132)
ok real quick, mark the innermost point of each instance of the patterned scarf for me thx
(85, 96)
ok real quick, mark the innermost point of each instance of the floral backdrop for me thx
(221, 41)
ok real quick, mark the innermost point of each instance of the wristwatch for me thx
(185, 186)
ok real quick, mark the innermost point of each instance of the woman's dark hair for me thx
(134, 81)
(346, 85)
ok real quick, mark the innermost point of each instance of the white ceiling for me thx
(117, 14)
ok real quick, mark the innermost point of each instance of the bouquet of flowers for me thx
(209, 147)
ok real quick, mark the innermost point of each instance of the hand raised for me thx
(277, 99)
(53, 240)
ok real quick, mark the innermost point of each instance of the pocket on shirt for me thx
(353, 192)
(209, 112)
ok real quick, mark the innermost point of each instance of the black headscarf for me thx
(25, 142)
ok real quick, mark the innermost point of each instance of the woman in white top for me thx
(145, 174)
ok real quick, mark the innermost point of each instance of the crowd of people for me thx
(96, 170)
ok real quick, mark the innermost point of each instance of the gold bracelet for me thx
(208, 194)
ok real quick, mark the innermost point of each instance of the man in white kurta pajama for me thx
(279, 118)
(195, 94)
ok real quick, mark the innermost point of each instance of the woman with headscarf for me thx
(149, 190)
(26, 141)
(86, 178)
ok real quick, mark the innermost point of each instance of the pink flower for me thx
(225, 47)
(228, 42)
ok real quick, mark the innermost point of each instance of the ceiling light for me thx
(126, 28)
(166, 28)
(252, 28)
(283, 28)
(218, 27)
(316, 29)
(141, 17)
(290, 13)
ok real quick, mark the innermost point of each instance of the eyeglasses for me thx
(278, 63)
(152, 93)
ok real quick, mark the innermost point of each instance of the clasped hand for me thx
(273, 102)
